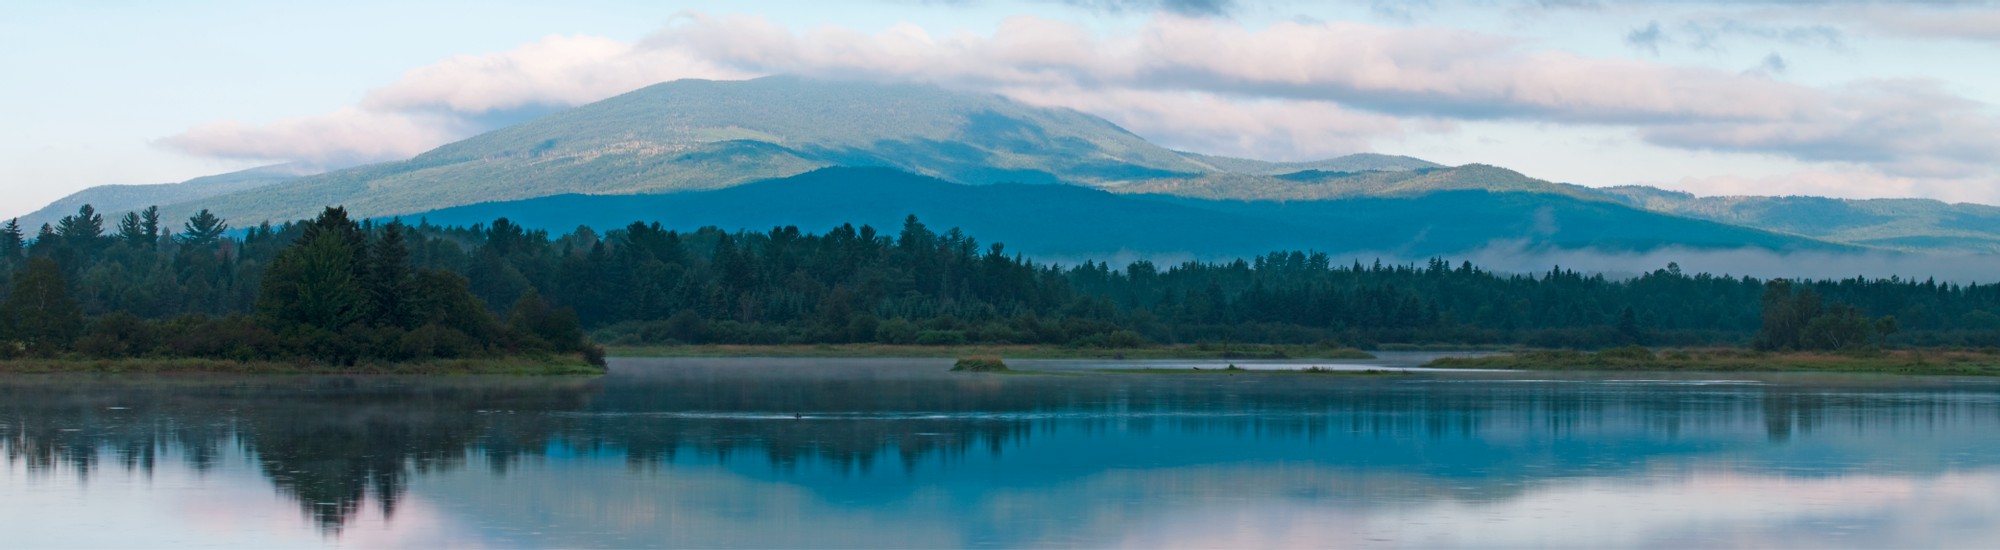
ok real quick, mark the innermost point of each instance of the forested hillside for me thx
(1076, 223)
(643, 284)
(116, 200)
(1910, 224)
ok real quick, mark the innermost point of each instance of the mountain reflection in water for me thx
(744, 452)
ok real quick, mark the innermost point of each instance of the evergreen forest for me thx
(337, 291)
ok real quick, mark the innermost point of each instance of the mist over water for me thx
(1763, 264)
(1517, 257)
(899, 453)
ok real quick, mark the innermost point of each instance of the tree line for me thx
(328, 291)
(333, 287)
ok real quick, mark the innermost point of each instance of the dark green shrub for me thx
(980, 363)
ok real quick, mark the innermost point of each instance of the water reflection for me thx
(899, 453)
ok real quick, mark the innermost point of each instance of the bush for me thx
(980, 363)
(896, 331)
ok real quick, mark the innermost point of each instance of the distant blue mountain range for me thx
(1064, 221)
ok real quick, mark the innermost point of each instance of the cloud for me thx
(1272, 130)
(1772, 64)
(1902, 127)
(1421, 72)
(342, 138)
(452, 99)
(1710, 33)
(556, 71)
(1192, 8)
(1289, 89)
(1647, 38)
(1198, 8)
(1978, 25)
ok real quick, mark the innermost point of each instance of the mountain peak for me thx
(707, 134)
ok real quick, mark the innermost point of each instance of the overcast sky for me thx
(1842, 98)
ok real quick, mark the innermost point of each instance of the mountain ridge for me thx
(1082, 222)
(698, 135)
(116, 199)
(1902, 223)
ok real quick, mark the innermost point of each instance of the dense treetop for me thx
(646, 285)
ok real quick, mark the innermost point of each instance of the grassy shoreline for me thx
(1008, 351)
(1262, 372)
(558, 365)
(1901, 362)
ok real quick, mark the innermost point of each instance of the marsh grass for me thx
(521, 366)
(1233, 370)
(1013, 351)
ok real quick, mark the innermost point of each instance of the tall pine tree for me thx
(132, 231)
(389, 282)
(40, 314)
(12, 243)
(204, 229)
(315, 283)
(149, 224)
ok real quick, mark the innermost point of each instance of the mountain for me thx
(1315, 184)
(116, 200)
(696, 134)
(1362, 162)
(1074, 222)
(1906, 224)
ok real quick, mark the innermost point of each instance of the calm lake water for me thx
(900, 453)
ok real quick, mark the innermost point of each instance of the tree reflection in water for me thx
(333, 444)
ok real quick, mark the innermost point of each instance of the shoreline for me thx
(1259, 351)
(1914, 362)
(511, 366)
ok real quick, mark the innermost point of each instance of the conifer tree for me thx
(41, 315)
(12, 243)
(149, 224)
(389, 281)
(203, 229)
(81, 228)
(45, 241)
(132, 231)
(313, 283)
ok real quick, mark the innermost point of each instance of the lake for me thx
(900, 453)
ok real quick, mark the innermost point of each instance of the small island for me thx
(980, 363)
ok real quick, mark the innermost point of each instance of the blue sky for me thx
(1844, 98)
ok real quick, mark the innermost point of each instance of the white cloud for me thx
(345, 137)
(1905, 128)
(1272, 130)
(1291, 90)
(557, 71)
(439, 103)
(1971, 24)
